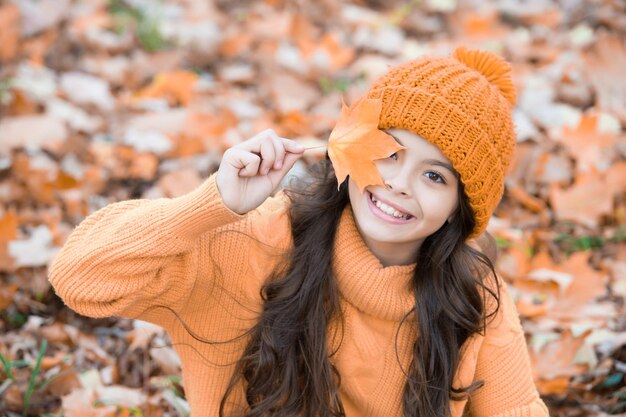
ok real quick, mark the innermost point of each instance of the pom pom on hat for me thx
(492, 66)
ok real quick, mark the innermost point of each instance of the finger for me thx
(293, 146)
(279, 152)
(246, 163)
(290, 159)
(288, 163)
(254, 143)
(267, 156)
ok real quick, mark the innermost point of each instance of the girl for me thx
(327, 299)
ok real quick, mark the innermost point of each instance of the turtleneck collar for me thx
(381, 291)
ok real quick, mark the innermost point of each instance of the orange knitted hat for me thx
(462, 104)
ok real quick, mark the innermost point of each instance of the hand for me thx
(251, 170)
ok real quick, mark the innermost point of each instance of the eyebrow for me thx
(431, 161)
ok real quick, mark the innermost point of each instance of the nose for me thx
(397, 184)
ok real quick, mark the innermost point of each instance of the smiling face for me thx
(422, 186)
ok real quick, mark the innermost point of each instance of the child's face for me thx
(420, 185)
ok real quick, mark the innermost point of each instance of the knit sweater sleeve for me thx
(504, 365)
(134, 254)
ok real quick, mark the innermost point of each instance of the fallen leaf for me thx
(40, 15)
(175, 86)
(556, 358)
(532, 203)
(33, 132)
(604, 65)
(80, 403)
(587, 144)
(326, 53)
(579, 300)
(585, 201)
(236, 45)
(356, 142)
(479, 25)
(291, 93)
(7, 292)
(9, 31)
(167, 358)
(8, 226)
(86, 89)
(120, 395)
(63, 383)
(34, 251)
(179, 182)
(203, 130)
(142, 334)
(539, 285)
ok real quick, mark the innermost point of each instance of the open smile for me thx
(387, 213)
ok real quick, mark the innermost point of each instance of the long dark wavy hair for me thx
(286, 369)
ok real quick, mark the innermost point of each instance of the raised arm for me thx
(133, 254)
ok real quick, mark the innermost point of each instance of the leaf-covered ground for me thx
(102, 101)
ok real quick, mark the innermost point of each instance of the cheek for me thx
(356, 197)
(439, 205)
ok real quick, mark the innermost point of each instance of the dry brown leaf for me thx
(204, 131)
(21, 104)
(175, 86)
(34, 131)
(532, 203)
(552, 168)
(555, 359)
(587, 144)
(291, 93)
(120, 395)
(540, 287)
(48, 362)
(7, 292)
(604, 66)
(236, 44)
(142, 334)
(144, 166)
(326, 52)
(167, 358)
(9, 31)
(179, 182)
(579, 300)
(295, 123)
(57, 332)
(476, 25)
(63, 383)
(80, 403)
(8, 226)
(586, 201)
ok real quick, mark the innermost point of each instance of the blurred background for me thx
(107, 100)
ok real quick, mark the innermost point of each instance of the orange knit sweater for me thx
(191, 255)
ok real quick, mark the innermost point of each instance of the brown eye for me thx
(394, 154)
(436, 177)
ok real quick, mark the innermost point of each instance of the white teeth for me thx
(389, 210)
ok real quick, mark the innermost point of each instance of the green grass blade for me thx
(33, 375)
(7, 366)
